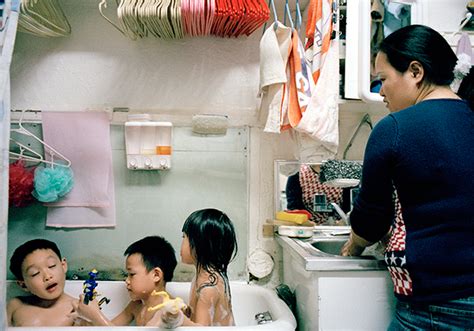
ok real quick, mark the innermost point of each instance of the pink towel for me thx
(84, 138)
(81, 217)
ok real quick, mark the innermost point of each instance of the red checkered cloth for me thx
(395, 256)
(310, 185)
(397, 240)
(402, 283)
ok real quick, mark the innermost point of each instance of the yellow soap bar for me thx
(291, 217)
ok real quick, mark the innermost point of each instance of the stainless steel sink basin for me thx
(329, 246)
(333, 246)
(323, 252)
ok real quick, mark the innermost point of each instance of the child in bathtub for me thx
(40, 270)
(209, 242)
(150, 264)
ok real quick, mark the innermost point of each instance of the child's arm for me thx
(12, 306)
(93, 313)
(127, 315)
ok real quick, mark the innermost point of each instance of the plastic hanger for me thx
(44, 18)
(103, 4)
(24, 148)
(463, 23)
(286, 13)
(298, 17)
(53, 152)
(271, 6)
(35, 157)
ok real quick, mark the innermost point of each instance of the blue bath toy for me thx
(89, 287)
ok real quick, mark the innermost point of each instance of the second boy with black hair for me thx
(150, 263)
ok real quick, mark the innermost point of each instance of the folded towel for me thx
(84, 138)
(274, 50)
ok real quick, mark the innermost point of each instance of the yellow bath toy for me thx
(176, 304)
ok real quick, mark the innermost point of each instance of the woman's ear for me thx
(22, 284)
(416, 71)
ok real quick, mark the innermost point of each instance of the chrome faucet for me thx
(340, 212)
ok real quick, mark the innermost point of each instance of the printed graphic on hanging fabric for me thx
(318, 34)
(301, 82)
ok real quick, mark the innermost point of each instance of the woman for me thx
(423, 152)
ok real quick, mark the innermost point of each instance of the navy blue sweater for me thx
(425, 152)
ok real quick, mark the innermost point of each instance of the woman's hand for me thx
(355, 245)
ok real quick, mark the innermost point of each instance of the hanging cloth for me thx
(464, 63)
(300, 84)
(316, 113)
(274, 51)
(320, 121)
(318, 34)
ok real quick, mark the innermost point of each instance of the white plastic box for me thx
(148, 143)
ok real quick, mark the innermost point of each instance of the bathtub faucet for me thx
(264, 318)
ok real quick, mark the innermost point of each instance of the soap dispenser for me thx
(147, 143)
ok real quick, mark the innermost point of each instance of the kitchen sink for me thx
(329, 246)
(323, 252)
(333, 246)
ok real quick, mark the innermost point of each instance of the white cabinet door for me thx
(355, 303)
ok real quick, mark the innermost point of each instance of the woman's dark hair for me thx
(27, 248)
(212, 239)
(425, 45)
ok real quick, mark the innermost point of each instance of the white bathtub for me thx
(247, 301)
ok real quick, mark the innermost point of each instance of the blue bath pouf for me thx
(52, 183)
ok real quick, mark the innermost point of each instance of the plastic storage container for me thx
(148, 143)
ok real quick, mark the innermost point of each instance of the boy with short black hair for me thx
(40, 270)
(150, 264)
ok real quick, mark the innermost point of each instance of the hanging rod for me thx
(34, 115)
(119, 115)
